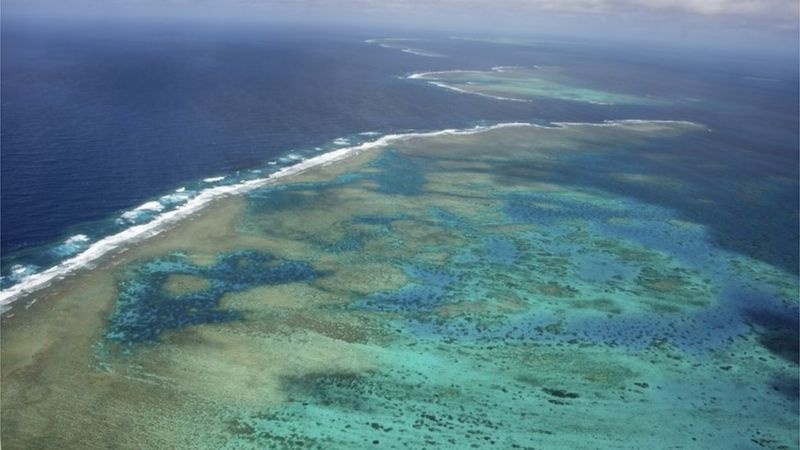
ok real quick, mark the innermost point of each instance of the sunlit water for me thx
(624, 284)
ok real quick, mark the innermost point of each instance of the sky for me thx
(754, 23)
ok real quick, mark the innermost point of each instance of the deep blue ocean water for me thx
(99, 120)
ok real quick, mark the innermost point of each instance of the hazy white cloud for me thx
(776, 8)
(777, 14)
(787, 9)
(784, 9)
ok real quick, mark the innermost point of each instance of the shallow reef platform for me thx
(504, 289)
(524, 84)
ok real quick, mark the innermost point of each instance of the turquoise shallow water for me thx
(526, 84)
(435, 294)
(618, 284)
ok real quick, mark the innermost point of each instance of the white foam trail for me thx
(464, 91)
(388, 43)
(341, 141)
(502, 69)
(77, 239)
(19, 273)
(134, 214)
(290, 157)
(19, 269)
(180, 189)
(72, 245)
(137, 233)
(427, 75)
(418, 52)
(431, 78)
(150, 206)
(213, 179)
(177, 197)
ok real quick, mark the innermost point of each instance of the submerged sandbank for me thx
(452, 289)
(137, 233)
(164, 221)
(521, 84)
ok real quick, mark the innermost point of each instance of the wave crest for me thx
(29, 281)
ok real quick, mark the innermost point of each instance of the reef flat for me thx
(504, 289)
(525, 84)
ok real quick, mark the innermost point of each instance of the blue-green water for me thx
(627, 284)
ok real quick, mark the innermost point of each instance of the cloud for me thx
(778, 13)
(776, 8)
(757, 8)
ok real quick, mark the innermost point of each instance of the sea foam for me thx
(176, 197)
(146, 209)
(77, 239)
(431, 78)
(396, 44)
(117, 243)
(72, 245)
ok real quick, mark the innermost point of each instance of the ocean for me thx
(281, 237)
(99, 121)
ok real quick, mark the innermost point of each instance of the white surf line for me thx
(426, 75)
(418, 52)
(464, 91)
(498, 69)
(165, 221)
(395, 44)
(77, 239)
(501, 69)
(442, 84)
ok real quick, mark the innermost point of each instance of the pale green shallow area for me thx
(445, 292)
(525, 84)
